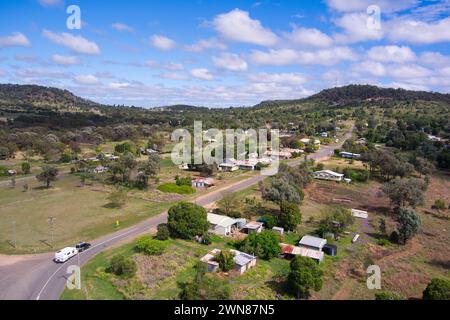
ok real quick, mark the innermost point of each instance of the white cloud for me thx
(373, 68)
(16, 39)
(445, 72)
(172, 66)
(118, 85)
(392, 54)
(434, 59)
(325, 57)
(162, 42)
(407, 86)
(280, 78)
(230, 61)
(51, 3)
(237, 26)
(205, 44)
(387, 6)
(75, 43)
(173, 76)
(65, 60)
(86, 79)
(419, 32)
(122, 27)
(409, 71)
(202, 73)
(309, 37)
(355, 29)
(41, 73)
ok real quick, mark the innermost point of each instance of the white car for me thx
(65, 254)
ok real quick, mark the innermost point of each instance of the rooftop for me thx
(314, 242)
(219, 220)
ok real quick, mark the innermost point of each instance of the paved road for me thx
(38, 278)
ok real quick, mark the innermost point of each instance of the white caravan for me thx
(65, 254)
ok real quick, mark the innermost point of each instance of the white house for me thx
(228, 167)
(202, 182)
(328, 175)
(243, 261)
(223, 225)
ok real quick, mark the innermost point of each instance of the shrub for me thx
(269, 221)
(151, 247)
(394, 237)
(357, 175)
(173, 188)
(437, 289)
(183, 181)
(121, 266)
(163, 232)
(383, 242)
(388, 295)
(26, 168)
(438, 205)
(207, 239)
(225, 259)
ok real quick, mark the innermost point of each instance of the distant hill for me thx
(355, 94)
(34, 97)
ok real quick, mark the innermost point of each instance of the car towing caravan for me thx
(65, 254)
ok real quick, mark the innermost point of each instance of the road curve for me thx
(39, 278)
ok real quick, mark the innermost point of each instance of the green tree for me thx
(121, 266)
(26, 168)
(408, 224)
(118, 197)
(187, 220)
(163, 232)
(290, 216)
(126, 164)
(124, 147)
(229, 204)
(281, 190)
(47, 175)
(403, 192)
(304, 276)
(149, 169)
(225, 259)
(437, 289)
(336, 221)
(265, 245)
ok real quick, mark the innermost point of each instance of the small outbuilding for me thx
(223, 225)
(313, 243)
(360, 214)
(330, 249)
(278, 230)
(328, 175)
(253, 226)
(203, 182)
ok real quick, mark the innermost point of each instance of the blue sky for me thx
(224, 53)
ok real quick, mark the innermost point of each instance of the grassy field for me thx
(82, 213)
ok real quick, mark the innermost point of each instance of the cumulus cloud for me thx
(392, 54)
(372, 68)
(238, 26)
(420, 32)
(387, 6)
(118, 85)
(325, 57)
(309, 37)
(409, 71)
(75, 43)
(88, 79)
(355, 29)
(173, 76)
(280, 78)
(162, 43)
(206, 44)
(434, 59)
(230, 61)
(16, 39)
(202, 73)
(122, 27)
(65, 60)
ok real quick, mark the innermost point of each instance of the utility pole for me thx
(51, 221)
(14, 234)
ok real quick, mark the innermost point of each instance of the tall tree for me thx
(281, 190)
(149, 169)
(403, 192)
(409, 224)
(304, 276)
(289, 216)
(47, 175)
(187, 220)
